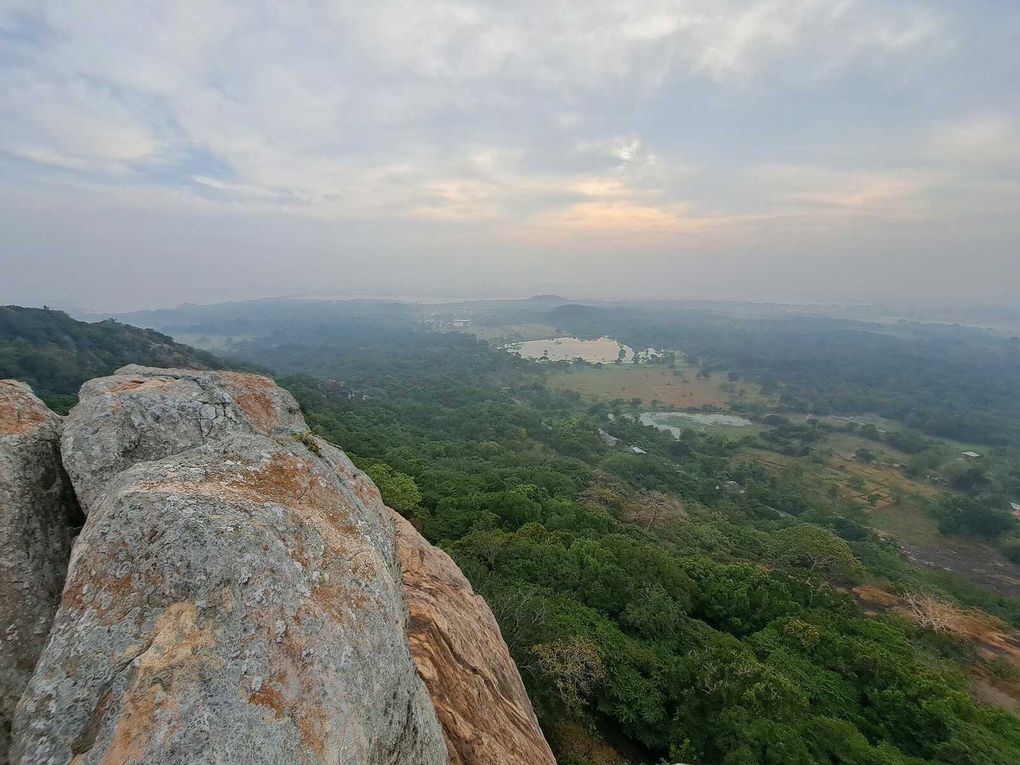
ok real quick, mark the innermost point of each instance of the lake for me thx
(603, 349)
(677, 422)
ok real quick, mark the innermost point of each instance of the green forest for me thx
(692, 603)
(946, 380)
(655, 615)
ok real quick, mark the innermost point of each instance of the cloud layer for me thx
(691, 135)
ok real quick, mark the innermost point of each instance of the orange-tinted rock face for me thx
(20, 410)
(258, 398)
(456, 644)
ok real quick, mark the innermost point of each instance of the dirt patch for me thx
(993, 681)
(873, 596)
(987, 689)
(993, 637)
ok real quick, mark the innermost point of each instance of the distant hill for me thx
(294, 317)
(553, 299)
(55, 354)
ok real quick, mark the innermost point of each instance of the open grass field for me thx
(895, 505)
(918, 535)
(678, 389)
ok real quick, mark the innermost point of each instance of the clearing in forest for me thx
(678, 388)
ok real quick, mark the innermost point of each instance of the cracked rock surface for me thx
(234, 595)
(36, 517)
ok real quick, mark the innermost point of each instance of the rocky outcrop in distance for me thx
(239, 593)
(37, 517)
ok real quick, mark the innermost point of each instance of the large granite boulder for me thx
(142, 413)
(475, 686)
(36, 517)
(233, 597)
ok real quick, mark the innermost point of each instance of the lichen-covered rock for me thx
(459, 651)
(36, 514)
(142, 413)
(233, 596)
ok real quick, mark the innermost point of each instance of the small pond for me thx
(677, 422)
(603, 349)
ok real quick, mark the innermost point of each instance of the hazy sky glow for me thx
(157, 152)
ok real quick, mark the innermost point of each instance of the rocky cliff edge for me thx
(239, 593)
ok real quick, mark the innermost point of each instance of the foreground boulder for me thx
(234, 594)
(455, 641)
(141, 413)
(36, 515)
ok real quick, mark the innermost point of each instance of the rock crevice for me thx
(38, 517)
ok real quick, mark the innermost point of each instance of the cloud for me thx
(740, 40)
(981, 139)
(829, 194)
(303, 101)
(624, 221)
(538, 124)
(76, 125)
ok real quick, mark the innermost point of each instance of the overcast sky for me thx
(153, 153)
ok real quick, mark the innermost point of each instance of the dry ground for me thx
(678, 388)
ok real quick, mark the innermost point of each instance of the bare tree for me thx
(930, 612)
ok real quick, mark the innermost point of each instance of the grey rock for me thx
(234, 596)
(141, 413)
(36, 514)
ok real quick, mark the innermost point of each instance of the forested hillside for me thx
(655, 612)
(947, 380)
(704, 598)
(55, 354)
